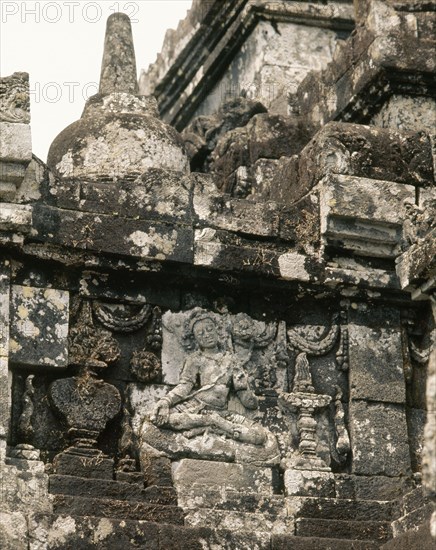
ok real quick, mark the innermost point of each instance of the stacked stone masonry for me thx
(217, 297)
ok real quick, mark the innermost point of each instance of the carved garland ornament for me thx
(118, 319)
(312, 347)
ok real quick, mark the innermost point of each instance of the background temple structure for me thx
(217, 297)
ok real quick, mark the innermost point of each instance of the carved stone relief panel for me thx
(223, 375)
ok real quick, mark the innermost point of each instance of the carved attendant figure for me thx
(199, 403)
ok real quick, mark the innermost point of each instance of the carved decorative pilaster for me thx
(343, 445)
(305, 404)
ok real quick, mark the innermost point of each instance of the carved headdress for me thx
(197, 314)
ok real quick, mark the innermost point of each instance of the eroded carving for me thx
(122, 317)
(25, 428)
(212, 411)
(304, 401)
(145, 366)
(86, 404)
(311, 343)
(343, 446)
(14, 98)
(342, 353)
(251, 342)
(419, 222)
(90, 346)
(154, 332)
(126, 444)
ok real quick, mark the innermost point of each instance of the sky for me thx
(60, 45)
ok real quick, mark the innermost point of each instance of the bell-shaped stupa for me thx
(119, 135)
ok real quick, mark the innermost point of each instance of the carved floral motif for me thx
(145, 366)
(90, 346)
(14, 98)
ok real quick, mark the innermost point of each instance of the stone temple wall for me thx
(217, 324)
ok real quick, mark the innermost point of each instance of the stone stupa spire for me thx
(119, 136)
(118, 68)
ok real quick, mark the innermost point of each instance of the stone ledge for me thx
(360, 530)
(98, 507)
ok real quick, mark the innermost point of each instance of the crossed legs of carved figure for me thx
(196, 423)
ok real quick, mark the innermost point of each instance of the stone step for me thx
(116, 534)
(418, 538)
(414, 500)
(371, 487)
(120, 509)
(343, 529)
(232, 520)
(202, 496)
(412, 520)
(290, 542)
(333, 508)
(104, 488)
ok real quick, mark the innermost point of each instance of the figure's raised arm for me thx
(242, 388)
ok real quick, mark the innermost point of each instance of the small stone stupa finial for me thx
(118, 69)
(119, 135)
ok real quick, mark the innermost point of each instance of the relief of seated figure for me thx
(194, 419)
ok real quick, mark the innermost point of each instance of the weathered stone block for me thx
(420, 257)
(309, 483)
(239, 215)
(4, 348)
(294, 266)
(157, 194)
(57, 532)
(82, 506)
(14, 217)
(24, 486)
(364, 215)
(366, 199)
(39, 326)
(12, 173)
(416, 419)
(414, 500)
(96, 467)
(379, 439)
(13, 531)
(375, 355)
(285, 542)
(15, 142)
(114, 235)
(209, 496)
(340, 508)
(4, 397)
(221, 474)
(239, 521)
(420, 538)
(407, 113)
(413, 519)
(371, 487)
(368, 152)
(340, 529)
